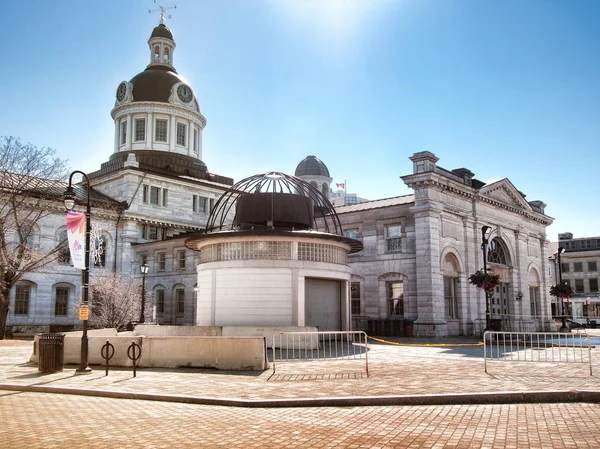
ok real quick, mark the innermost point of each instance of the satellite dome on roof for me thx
(312, 166)
(162, 31)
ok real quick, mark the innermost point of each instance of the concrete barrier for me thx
(225, 353)
(153, 330)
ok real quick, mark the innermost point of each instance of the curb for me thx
(512, 397)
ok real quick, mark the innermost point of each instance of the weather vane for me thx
(163, 10)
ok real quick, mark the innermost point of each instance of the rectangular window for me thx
(123, 132)
(353, 234)
(180, 295)
(201, 207)
(195, 203)
(165, 197)
(395, 295)
(140, 129)
(160, 301)
(450, 296)
(578, 267)
(162, 261)
(181, 134)
(145, 193)
(593, 285)
(181, 259)
(355, 298)
(143, 259)
(22, 300)
(592, 266)
(154, 191)
(393, 235)
(160, 130)
(564, 267)
(579, 286)
(211, 203)
(62, 300)
(152, 233)
(196, 142)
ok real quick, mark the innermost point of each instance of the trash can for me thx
(51, 353)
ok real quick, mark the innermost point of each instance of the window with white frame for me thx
(165, 197)
(140, 129)
(61, 301)
(196, 141)
(180, 299)
(160, 130)
(395, 297)
(154, 195)
(160, 301)
(161, 261)
(181, 259)
(393, 237)
(355, 298)
(199, 204)
(151, 232)
(123, 132)
(22, 296)
(181, 134)
(450, 296)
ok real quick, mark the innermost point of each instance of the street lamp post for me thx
(144, 271)
(484, 244)
(69, 199)
(563, 327)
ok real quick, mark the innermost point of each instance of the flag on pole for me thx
(76, 237)
(341, 185)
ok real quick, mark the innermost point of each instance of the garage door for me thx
(323, 304)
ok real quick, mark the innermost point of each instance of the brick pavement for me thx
(395, 372)
(32, 421)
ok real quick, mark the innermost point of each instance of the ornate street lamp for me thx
(484, 244)
(563, 327)
(144, 271)
(69, 200)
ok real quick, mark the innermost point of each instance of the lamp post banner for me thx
(76, 236)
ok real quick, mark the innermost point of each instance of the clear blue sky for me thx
(505, 88)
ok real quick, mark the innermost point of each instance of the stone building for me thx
(419, 249)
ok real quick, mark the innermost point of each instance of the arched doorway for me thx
(499, 261)
(451, 275)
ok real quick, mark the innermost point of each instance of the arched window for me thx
(156, 53)
(314, 184)
(99, 247)
(497, 252)
(166, 56)
(64, 255)
(325, 190)
(450, 271)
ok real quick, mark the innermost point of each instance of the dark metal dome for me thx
(154, 84)
(312, 166)
(274, 201)
(161, 31)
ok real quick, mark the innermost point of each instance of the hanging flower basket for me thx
(562, 291)
(484, 281)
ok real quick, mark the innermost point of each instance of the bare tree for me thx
(32, 180)
(116, 301)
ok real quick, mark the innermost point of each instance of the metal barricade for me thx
(541, 347)
(295, 347)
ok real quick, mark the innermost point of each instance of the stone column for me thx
(430, 287)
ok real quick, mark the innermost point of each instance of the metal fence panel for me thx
(549, 347)
(294, 347)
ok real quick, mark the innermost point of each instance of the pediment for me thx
(505, 192)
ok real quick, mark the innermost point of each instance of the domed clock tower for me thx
(157, 110)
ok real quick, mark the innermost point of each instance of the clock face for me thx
(121, 91)
(185, 93)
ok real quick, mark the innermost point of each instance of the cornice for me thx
(160, 108)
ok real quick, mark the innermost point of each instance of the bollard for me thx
(133, 356)
(107, 352)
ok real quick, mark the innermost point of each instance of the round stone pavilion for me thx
(273, 254)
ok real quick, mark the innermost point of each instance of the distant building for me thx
(579, 268)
